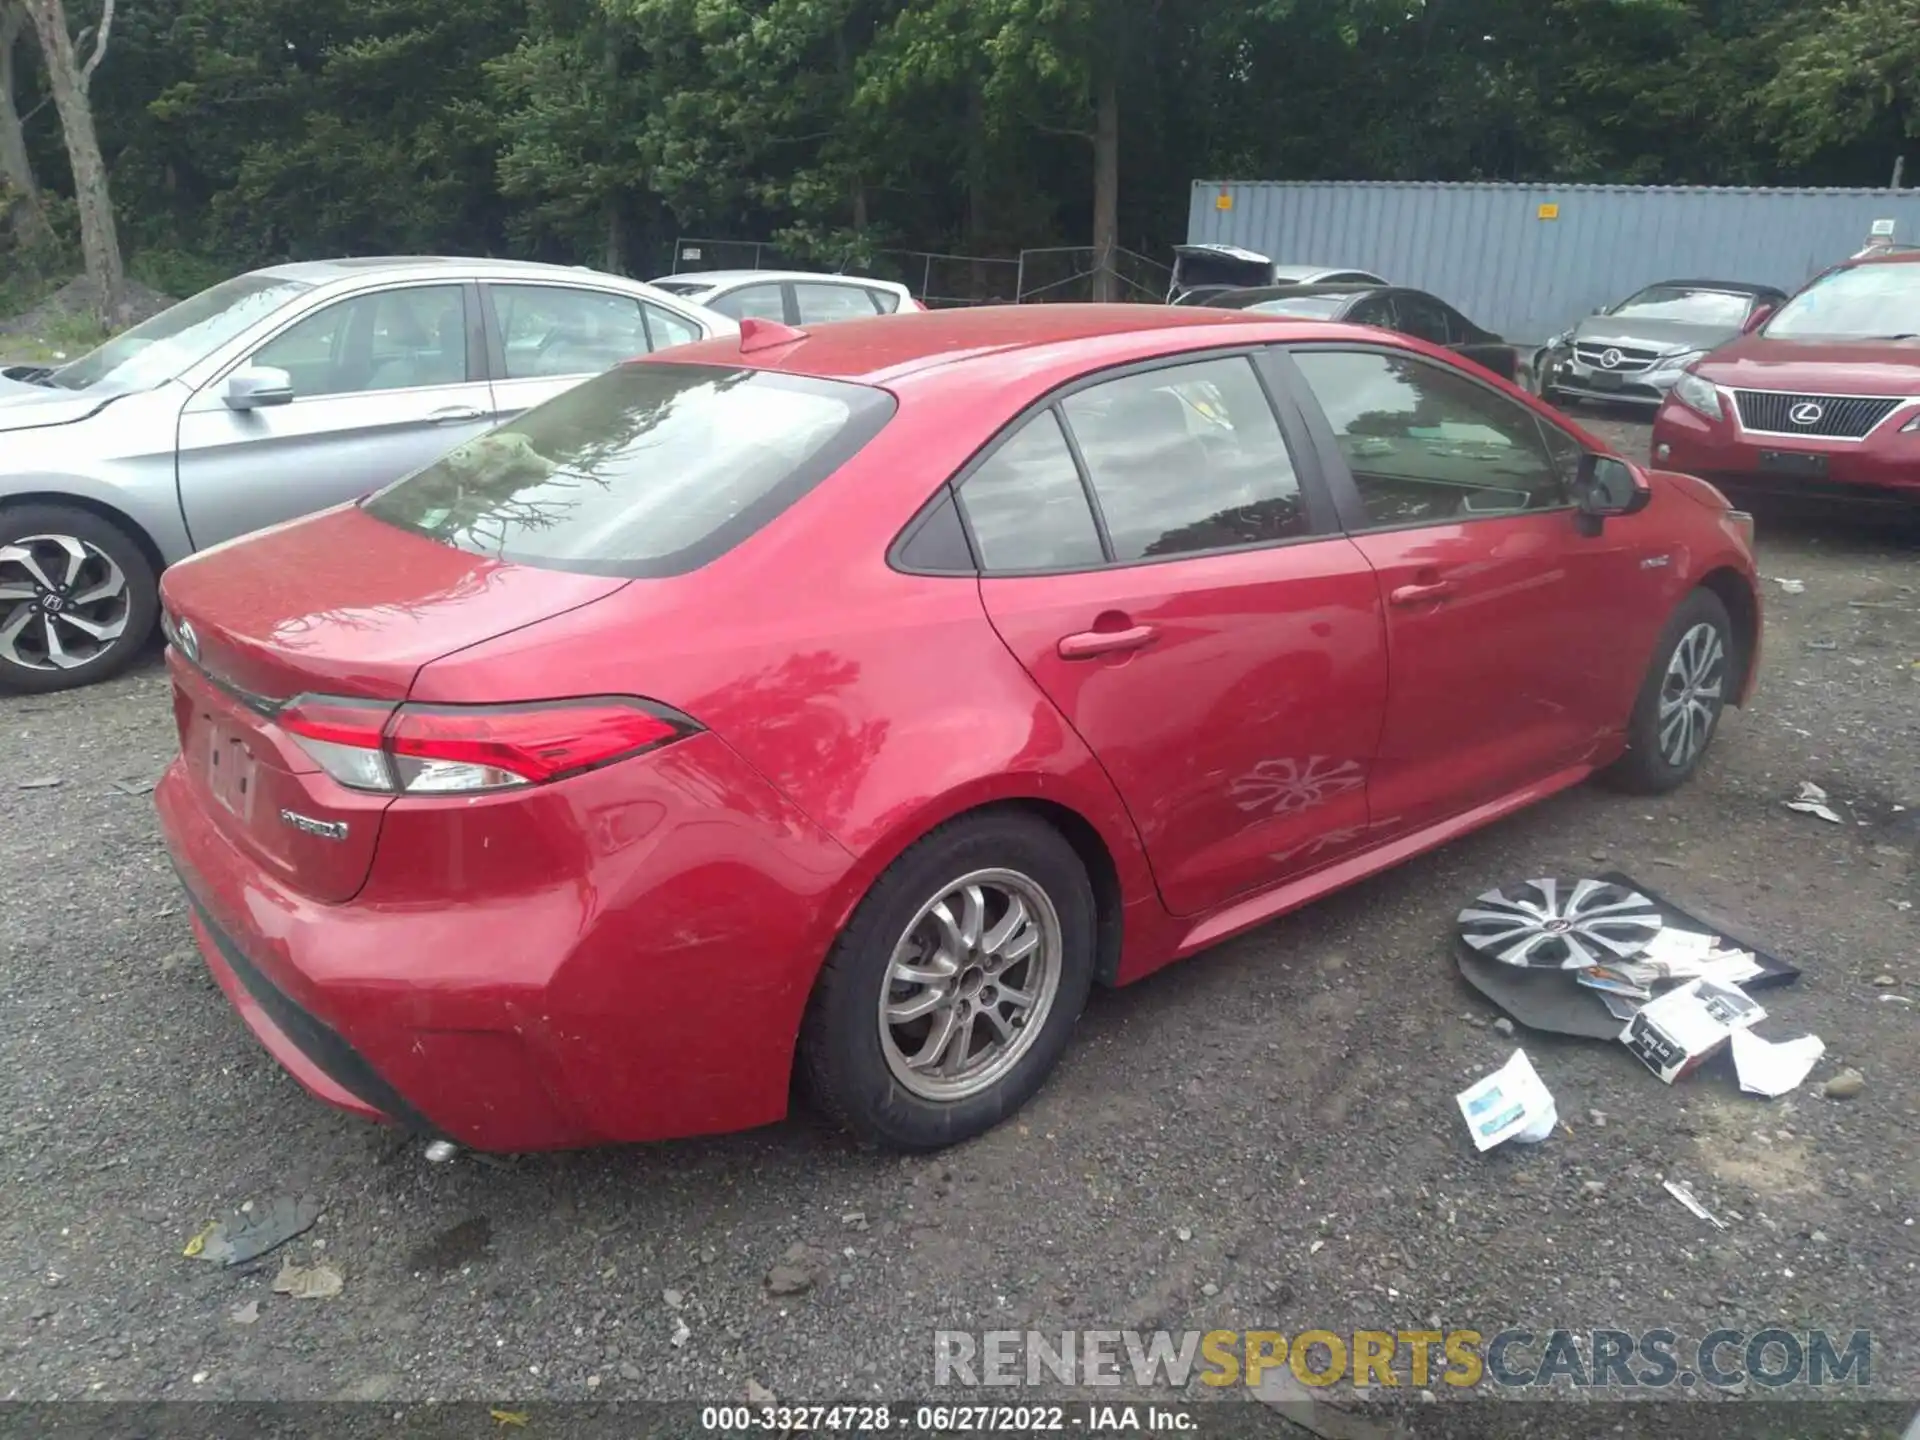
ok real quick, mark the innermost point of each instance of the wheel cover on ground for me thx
(63, 602)
(970, 984)
(1690, 694)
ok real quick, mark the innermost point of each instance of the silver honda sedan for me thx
(273, 394)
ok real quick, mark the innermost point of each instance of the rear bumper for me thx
(1885, 467)
(645, 980)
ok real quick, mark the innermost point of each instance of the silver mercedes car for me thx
(1633, 352)
(270, 395)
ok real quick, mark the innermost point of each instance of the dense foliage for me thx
(594, 131)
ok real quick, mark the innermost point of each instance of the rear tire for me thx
(78, 598)
(939, 936)
(1677, 712)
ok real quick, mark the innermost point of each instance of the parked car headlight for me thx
(1914, 423)
(1666, 365)
(1697, 395)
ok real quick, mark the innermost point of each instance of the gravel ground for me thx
(1264, 1136)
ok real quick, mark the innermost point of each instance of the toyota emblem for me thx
(1806, 413)
(1611, 358)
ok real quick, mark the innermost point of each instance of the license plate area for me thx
(231, 770)
(1605, 380)
(1802, 463)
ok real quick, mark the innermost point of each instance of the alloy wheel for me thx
(969, 985)
(63, 602)
(1540, 925)
(1690, 694)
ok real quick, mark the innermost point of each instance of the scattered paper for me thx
(1675, 1033)
(1771, 1068)
(1685, 1197)
(1792, 587)
(1812, 800)
(1510, 1104)
(308, 1282)
(1669, 944)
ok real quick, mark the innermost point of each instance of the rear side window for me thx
(646, 470)
(885, 301)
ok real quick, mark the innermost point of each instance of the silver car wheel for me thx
(970, 984)
(1690, 695)
(63, 602)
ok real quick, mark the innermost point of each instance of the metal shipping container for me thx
(1530, 260)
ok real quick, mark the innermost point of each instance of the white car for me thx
(792, 297)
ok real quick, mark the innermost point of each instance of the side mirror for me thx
(1606, 485)
(254, 386)
(1759, 317)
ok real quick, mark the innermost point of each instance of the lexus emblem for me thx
(188, 640)
(1611, 358)
(1806, 413)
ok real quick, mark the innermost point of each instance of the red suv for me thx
(1822, 399)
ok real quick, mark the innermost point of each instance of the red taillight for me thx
(459, 749)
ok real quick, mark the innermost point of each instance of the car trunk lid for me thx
(338, 604)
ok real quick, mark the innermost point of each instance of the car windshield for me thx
(1689, 303)
(160, 348)
(1867, 302)
(1311, 307)
(649, 469)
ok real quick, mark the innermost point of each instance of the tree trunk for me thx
(978, 180)
(1106, 188)
(68, 79)
(21, 205)
(616, 256)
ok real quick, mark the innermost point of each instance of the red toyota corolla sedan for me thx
(1822, 401)
(849, 704)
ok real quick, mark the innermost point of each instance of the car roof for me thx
(321, 272)
(734, 277)
(888, 349)
(1323, 287)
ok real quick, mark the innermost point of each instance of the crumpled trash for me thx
(251, 1233)
(1792, 587)
(308, 1282)
(1812, 800)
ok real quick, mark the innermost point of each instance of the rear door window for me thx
(757, 302)
(820, 303)
(1027, 507)
(550, 330)
(649, 469)
(1187, 458)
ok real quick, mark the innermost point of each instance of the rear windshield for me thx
(649, 469)
(681, 287)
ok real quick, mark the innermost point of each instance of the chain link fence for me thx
(1053, 274)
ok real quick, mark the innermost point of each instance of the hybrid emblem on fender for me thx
(325, 829)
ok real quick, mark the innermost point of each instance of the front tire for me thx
(78, 598)
(954, 990)
(1677, 712)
